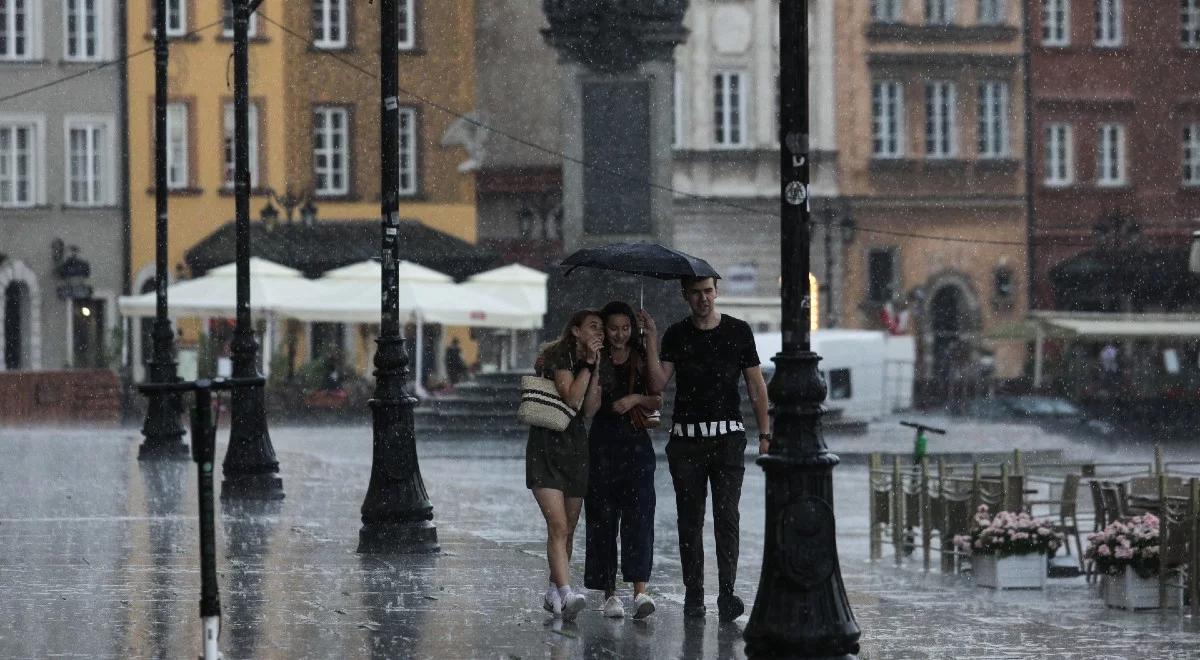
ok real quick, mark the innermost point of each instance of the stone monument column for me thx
(618, 77)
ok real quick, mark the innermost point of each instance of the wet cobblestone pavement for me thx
(99, 559)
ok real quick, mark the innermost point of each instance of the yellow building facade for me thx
(304, 57)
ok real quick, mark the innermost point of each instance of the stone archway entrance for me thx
(946, 320)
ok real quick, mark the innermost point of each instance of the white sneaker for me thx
(643, 606)
(613, 608)
(551, 602)
(572, 605)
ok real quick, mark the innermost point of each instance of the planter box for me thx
(1010, 571)
(1130, 591)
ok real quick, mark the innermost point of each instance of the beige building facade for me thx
(931, 162)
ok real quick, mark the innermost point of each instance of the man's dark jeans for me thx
(695, 463)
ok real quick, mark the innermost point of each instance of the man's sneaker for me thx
(693, 604)
(729, 607)
(572, 605)
(613, 608)
(643, 606)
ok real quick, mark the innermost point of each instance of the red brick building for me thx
(1115, 110)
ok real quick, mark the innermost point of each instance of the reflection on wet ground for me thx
(99, 557)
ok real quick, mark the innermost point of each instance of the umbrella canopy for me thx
(351, 295)
(515, 284)
(215, 294)
(649, 259)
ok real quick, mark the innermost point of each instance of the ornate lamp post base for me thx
(252, 487)
(162, 432)
(397, 516)
(406, 538)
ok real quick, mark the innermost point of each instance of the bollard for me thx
(976, 492)
(926, 513)
(1004, 503)
(1158, 458)
(204, 440)
(1194, 545)
(874, 467)
(1018, 468)
(1164, 531)
(897, 510)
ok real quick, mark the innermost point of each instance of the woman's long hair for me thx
(619, 307)
(566, 341)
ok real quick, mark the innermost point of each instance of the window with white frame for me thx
(177, 146)
(227, 22)
(1059, 154)
(1191, 154)
(677, 110)
(83, 30)
(1189, 23)
(729, 108)
(885, 11)
(20, 22)
(406, 25)
(939, 12)
(1056, 22)
(887, 119)
(1109, 31)
(331, 150)
(1110, 156)
(408, 151)
(993, 119)
(176, 18)
(329, 23)
(20, 162)
(991, 12)
(228, 125)
(940, 122)
(89, 162)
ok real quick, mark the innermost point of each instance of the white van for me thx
(869, 374)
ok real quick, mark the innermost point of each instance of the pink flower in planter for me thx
(1124, 552)
(1103, 551)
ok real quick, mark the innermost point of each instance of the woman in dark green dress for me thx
(556, 463)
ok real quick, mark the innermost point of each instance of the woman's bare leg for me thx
(558, 533)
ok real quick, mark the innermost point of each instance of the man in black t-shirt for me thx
(708, 353)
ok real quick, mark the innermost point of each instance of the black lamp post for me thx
(397, 515)
(162, 431)
(250, 466)
(801, 609)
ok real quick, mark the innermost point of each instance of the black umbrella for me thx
(648, 259)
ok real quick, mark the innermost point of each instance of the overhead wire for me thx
(537, 147)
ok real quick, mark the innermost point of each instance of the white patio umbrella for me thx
(215, 294)
(521, 286)
(351, 295)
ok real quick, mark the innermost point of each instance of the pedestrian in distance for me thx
(708, 353)
(620, 499)
(556, 463)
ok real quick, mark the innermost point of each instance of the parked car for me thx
(1053, 414)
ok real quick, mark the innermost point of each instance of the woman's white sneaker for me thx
(572, 605)
(643, 606)
(613, 608)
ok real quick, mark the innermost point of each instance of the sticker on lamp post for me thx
(795, 193)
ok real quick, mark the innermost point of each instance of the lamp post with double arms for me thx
(250, 467)
(397, 515)
(801, 609)
(162, 431)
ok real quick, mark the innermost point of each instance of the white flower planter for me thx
(1130, 591)
(1010, 571)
